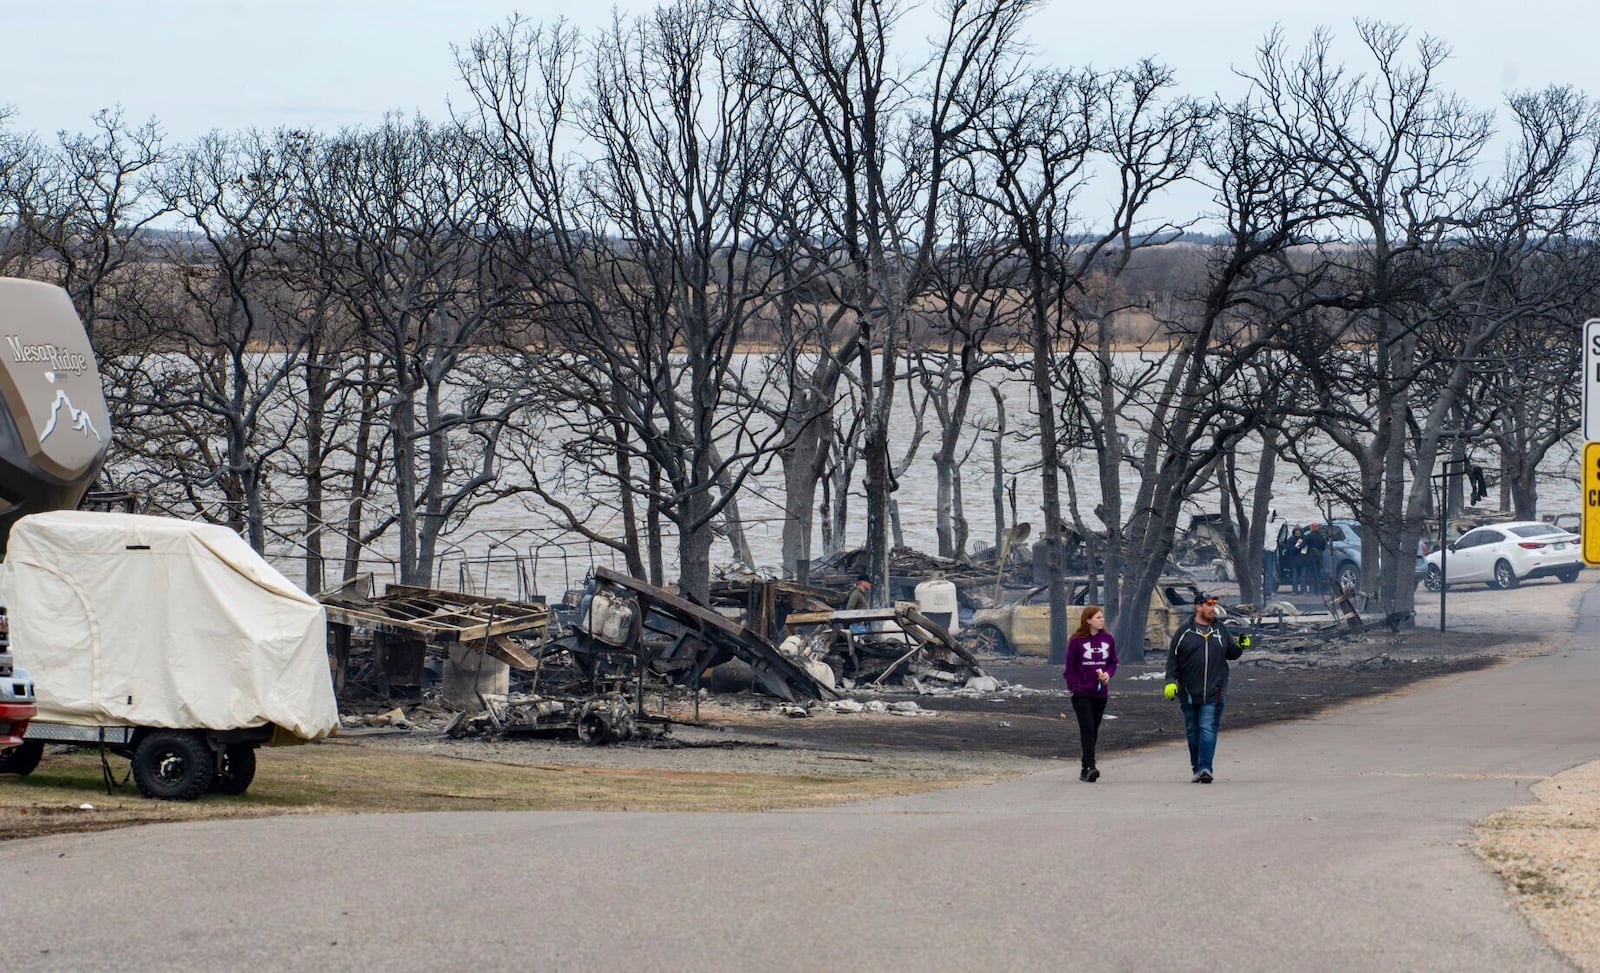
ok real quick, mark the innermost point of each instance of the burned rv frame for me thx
(679, 640)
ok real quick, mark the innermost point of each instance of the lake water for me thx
(511, 548)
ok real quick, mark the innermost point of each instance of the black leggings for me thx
(1089, 710)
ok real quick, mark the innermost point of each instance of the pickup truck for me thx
(17, 755)
(1023, 627)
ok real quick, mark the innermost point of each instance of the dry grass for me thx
(1549, 855)
(346, 778)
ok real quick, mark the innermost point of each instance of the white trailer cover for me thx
(149, 621)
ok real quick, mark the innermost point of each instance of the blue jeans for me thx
(1201, 723)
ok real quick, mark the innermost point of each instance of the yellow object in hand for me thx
(1171, 691)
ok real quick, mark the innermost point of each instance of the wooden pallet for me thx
(438, 616)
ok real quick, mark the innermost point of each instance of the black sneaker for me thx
(1203, 777)
(1083, 774)
(1094, 775)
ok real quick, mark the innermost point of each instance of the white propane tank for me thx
(936, 598)
(609, 618)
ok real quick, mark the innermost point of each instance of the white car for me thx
(1504, 555)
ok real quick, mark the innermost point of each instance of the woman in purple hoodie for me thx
(1091, 662)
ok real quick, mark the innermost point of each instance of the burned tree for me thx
(205, 417)
(426, 293)
(971, 285)
(1042, 147)
(658, 258)
(884, 144)
(1415, 251)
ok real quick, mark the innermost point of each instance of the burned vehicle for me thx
(1023, 627)
(677, 640)
(494, 657)
(872, 647)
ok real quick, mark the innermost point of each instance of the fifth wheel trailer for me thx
(54, 431)
(171, 643)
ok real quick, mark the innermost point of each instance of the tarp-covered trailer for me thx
(173, 643)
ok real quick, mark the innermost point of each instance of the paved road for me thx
(1333, 844)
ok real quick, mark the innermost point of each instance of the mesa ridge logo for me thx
(58, 358)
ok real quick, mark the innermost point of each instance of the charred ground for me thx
(1035, 719)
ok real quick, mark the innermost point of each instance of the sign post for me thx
(1589, 476)
(1591, 379)
(1591, 503)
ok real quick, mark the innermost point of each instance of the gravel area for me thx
(726, 747)
(1549, 855)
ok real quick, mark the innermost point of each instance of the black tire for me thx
(172, 765)
(596, 728)
(1347, 577)
(237, 770)
(1504, 576)
(1567, 576)
(22, 758)
(989, 640)
(1432, 578)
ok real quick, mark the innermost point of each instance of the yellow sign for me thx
(1591, 504)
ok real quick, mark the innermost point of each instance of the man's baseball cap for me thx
(1206, 600)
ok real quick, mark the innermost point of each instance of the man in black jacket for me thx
(1197, 677)
(1315, 559)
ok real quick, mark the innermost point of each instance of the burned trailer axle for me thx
(601, 719)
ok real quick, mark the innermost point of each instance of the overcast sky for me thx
(197, 65)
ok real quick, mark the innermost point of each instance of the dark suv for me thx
(1341, 562)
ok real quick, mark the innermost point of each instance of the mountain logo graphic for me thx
(79, 417)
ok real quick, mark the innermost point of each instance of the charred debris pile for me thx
(611, 667)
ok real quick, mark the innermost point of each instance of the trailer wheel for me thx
(22, 758)
(236, 771)
(173, 766)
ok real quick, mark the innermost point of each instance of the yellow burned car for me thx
(1023, 627)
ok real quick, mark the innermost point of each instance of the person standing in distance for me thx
(1091, 662)
(858, 594)
(858, 600)
(1292, 554)
(1197, 677)
(1316, 554)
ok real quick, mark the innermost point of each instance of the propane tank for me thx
(607, 618)
(936, 598)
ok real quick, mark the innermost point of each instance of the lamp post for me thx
(1452, 467)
